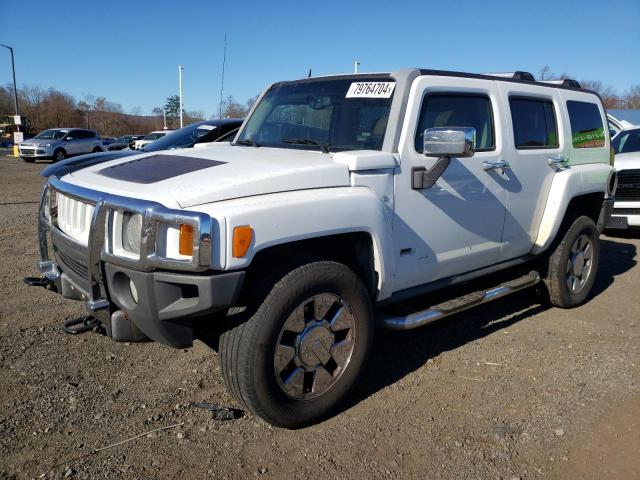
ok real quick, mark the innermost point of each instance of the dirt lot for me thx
(509, 390)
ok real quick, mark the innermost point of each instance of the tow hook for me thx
(38, 281)
(79, 325)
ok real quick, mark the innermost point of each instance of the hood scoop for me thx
(156, 168)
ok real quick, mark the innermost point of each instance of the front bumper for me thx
(165, 303)
(625, 215)
(35, 152)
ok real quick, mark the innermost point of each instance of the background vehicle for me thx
(186, 137)
(121, 143)
(339, 195)
(626, 212)
(150, 137)
(617, 125)
(60, 143)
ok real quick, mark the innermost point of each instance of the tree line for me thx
(51, 108)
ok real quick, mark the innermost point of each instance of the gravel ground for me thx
(509, 390)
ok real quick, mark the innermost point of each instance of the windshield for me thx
(126, 139)
(333, 115)
(51, 134)
(154, 136)
(627, 142)
(185, 137)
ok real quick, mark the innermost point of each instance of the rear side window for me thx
(587, 130)
(457, 110)
(534, 123)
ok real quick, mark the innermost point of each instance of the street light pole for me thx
(180, 69)
(13, 69)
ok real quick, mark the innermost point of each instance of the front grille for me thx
(27, 150)
(74, 217)
(626, 211)
(77, 266)
(628, 185)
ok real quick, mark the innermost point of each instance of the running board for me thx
(418, 319)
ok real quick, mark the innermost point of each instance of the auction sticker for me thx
(371, 90)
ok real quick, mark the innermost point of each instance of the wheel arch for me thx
(579, 190)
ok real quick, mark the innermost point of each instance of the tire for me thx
(28, 159)
(286, 389)
(59, 155)
(96, 150)
(573, 265)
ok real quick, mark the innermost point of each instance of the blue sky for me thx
(129, 51)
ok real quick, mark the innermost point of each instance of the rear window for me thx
(587, 130)
(534, 123)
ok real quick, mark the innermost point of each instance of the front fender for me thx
(286, 217)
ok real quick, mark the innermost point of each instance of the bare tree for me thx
(631, 98)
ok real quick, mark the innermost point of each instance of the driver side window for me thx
(457, 110)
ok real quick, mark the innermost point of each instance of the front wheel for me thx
(301, 353)
(59, 155)
(573, 265)
(97, 150)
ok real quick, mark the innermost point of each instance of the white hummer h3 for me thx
(340, 198)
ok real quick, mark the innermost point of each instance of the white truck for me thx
(339, 197)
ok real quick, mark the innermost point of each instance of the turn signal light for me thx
(185, 246)
(242, 237)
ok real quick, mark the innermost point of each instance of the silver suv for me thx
(60, 143)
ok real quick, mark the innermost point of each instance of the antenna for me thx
(224, 60)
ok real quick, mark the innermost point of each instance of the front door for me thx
(454, 226)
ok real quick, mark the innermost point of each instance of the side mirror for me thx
(68, 138)
(449, 142)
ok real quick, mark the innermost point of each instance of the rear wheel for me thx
(300, 354)
(97, 149)
(59, 155)
(573, 265)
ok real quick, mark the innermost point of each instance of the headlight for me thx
(131, 232)
(44, 144)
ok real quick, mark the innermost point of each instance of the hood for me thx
(69, 165)
(38, 141)
(626, 161)
(190, 177)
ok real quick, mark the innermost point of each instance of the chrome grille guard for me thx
(106, 204)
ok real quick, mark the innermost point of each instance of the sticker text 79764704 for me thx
(370, 90)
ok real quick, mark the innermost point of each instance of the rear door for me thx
(534, 116)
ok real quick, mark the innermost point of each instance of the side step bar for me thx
(418, 319)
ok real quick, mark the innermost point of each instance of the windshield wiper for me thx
(307, 141)
(250, 143)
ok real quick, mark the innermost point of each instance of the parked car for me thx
(339, 197)
(126, 141)
(186, 137)
(60, 143)
(616, 125)
(149, 138)
(626, 212)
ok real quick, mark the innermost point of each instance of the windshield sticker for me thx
(371, 90)
(207, 127)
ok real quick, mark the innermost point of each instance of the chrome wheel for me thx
(579, 264)
(314, 346)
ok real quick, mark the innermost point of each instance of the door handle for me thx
(558, 161)
(502, 164)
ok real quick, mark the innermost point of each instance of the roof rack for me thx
(565, 82)
(519, 75)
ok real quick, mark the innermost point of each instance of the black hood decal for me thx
(156, 168)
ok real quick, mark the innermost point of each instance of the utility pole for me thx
(180, 69)
(15, 88)
(224, 60)
(164, 118)
(356, 64)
